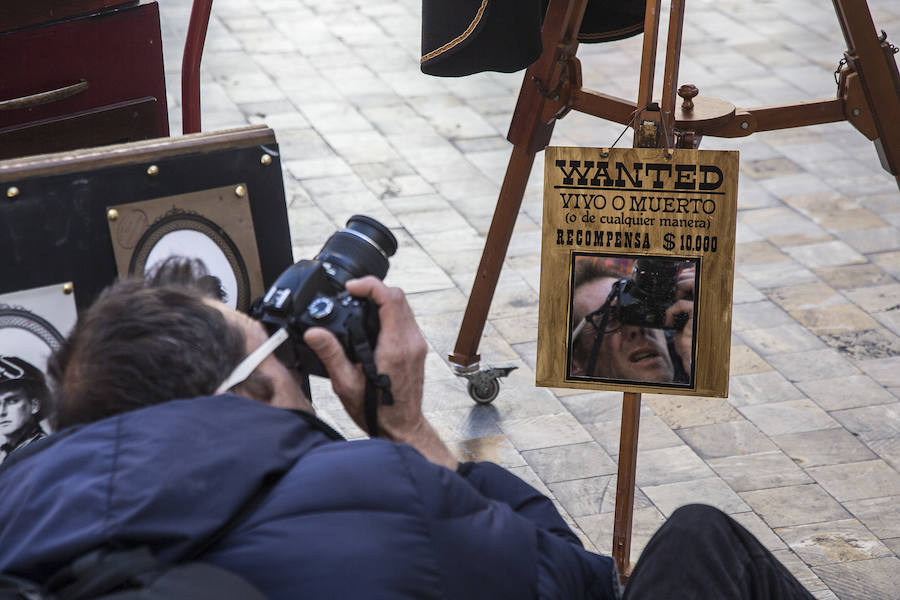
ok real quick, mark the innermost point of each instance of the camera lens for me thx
(656, 279)
(361, 248)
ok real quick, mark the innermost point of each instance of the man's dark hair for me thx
(186, 272)
(140, 345)
(588, 269)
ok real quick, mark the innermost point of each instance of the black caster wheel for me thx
(486, 392)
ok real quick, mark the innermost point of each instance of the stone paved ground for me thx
(806, 450)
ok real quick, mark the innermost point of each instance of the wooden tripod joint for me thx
(565, 78)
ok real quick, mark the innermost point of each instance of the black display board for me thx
(56, 210)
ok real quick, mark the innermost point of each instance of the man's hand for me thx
(676, 314)
(399, 353)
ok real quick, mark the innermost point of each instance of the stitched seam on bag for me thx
(608, 34)
(460, 38)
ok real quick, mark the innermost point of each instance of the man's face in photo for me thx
(16, 408)
(628, 352)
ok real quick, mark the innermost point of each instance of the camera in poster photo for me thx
(633, 319)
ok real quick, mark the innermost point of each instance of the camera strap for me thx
(375, 382)
(600, 330)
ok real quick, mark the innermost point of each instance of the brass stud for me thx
(12, 191)
(266, 160)
(240, 191)
(68, 288)
(112, 214)
(152, 170)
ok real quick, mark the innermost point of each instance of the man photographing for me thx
(147, 456)
(632, 332)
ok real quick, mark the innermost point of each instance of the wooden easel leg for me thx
(529, 136)
(495, 246)
(628, 445)
(878, 75)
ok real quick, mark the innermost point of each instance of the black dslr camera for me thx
(644, 298)
(311, 293)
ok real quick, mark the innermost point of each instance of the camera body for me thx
(649, 292)
(311, 293)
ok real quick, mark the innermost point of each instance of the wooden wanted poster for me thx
(637, 269)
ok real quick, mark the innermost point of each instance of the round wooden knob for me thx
(687, 92)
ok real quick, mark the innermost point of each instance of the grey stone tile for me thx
(518, 329)
(893, 544)
(782, 339)
(772, 275)
(443, 393)
(885, 371)
(670, 465)
(812, 364)
(876, 578)
(889, 261)
(682, 411)
(835, 319)
(726, 439)
(794, 505)
(744, 292)
(744, 361)
(759, 471)
(654, 434)
(877, 298)
(464, 424)
(758, 315)
(760, 530)
(712, 491)
(575, 461)
(544, 431)
(596, 407)
(582, 497)
(806, 296)
(791, 416)
(854, 276)
(865, 345)
(823, 447)
(527, 474)
(880, 515)
(890, 319)
(825, 254)
(845, 392)
(800, 570)
(871, 422)
(833, 542)
(855, 481)
(599, 528)
(888, 449)
(762, 388)
(490, 448)
(593, 495)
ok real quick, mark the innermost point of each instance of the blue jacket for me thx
(361, 519)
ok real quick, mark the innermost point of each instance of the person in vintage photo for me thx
(635, 328)
(23, 393)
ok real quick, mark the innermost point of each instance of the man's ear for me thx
(35, 406)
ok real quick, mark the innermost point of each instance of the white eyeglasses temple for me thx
(253, 360)
(578, 329)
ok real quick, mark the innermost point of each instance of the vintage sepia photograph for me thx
(633, 319)
(33, 324)
(214, 226)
